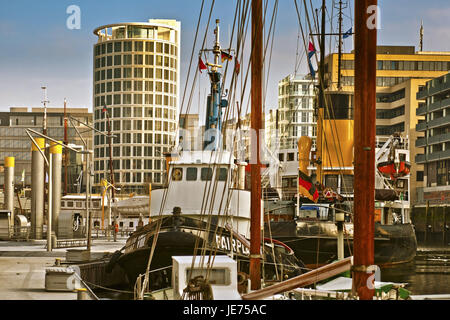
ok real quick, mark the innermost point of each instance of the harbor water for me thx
(429, 273)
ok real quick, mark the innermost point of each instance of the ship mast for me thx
(364, 147)
(256, 126)
(215, 103)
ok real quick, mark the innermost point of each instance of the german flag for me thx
(306, 187)
(226, 56)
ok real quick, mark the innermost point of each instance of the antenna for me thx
(340, 7)
(421, 36)
(45, 102)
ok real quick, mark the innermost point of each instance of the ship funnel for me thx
(9, 186)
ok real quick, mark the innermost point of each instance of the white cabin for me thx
(200, 183)
(222, 276)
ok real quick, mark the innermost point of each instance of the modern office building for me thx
(295, 113)
(401, 71)
(193, 132)
(136, 76)
(16, 143)
(435, 144)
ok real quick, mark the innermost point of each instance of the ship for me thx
(313, 207)
(311, 228)
(203, 210)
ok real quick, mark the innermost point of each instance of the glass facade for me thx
(137, 81)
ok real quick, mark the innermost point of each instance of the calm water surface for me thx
(429, 273)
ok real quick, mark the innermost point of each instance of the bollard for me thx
(56, 154)
(9, 186)
(82, 294)
(37, 188)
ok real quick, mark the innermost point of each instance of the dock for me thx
(23, 268)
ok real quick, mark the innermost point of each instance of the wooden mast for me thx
(256, 125)
(364, 148)
(66, 152)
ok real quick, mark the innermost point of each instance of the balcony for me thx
(439, 138)
(422, 94)
(421, 142)
(441, 155)
(437, 122)
(439, 105)
(421, 111)
(422, 126)
(421, 158)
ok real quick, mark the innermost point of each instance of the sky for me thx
(38, 49)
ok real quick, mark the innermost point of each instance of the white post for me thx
(50, 206)
(340, 218)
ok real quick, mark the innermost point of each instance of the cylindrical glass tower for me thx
(136, 76)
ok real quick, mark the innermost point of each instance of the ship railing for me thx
(142, 285)
(16, 233)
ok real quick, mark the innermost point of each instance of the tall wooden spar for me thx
(364, 133)
(256, 124)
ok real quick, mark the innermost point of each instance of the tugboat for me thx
(202, 211)
(309, 223)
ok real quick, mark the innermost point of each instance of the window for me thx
(127, 99)
(138, 59)
(127, 72)
(290, 156)
(127, 59)
(191, 174)
(206, 174)
(127, 46)
(222, 174)
(117, 60)
(117, 73)
(139, 73)
(419, 176)
(118, 47)
(216, 276)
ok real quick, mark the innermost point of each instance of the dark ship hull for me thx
(183, 236)
(315, 242)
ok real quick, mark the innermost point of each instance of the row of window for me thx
(127, 164)
(136, 112)
(136, 59)
(438, 173)
(296, 89)
(134, 138)
(135, 46)
(381, 81)
(136, 72)
(132, 177)
(136, 98)
(95, 204)
(390, 113)
(137, 125)
(403, 65)
(391, 97)
(137, 85)
(389, 130)
(191, 174)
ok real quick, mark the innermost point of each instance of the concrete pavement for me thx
(23, 265)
